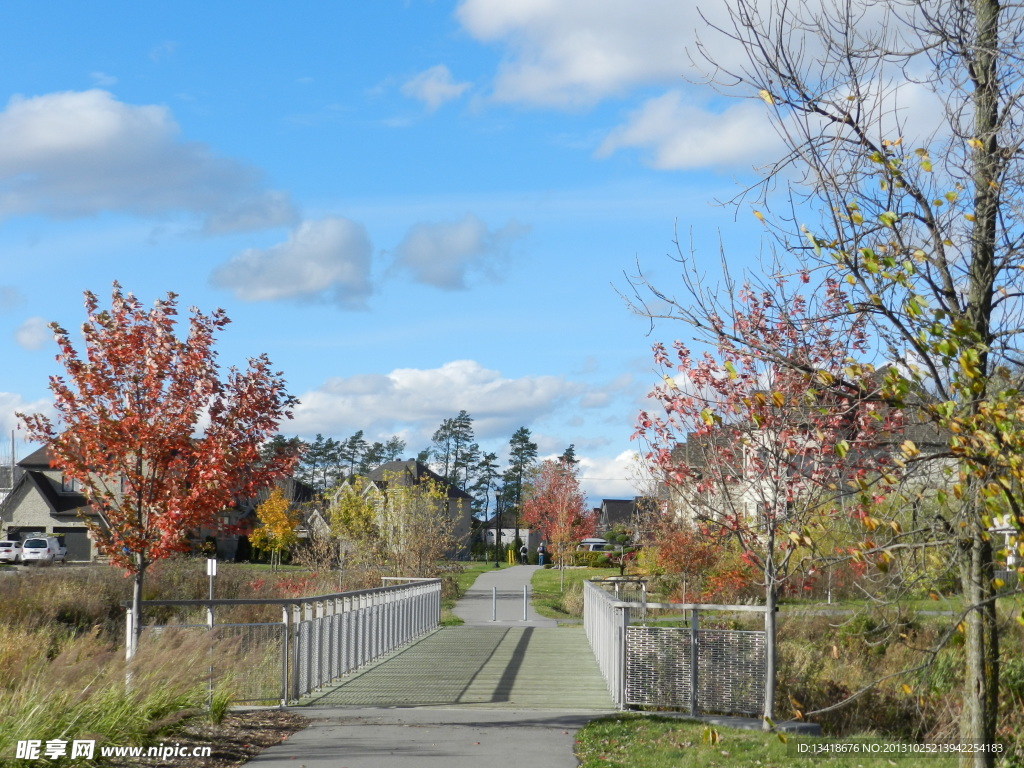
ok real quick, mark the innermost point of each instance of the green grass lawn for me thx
(638, 741)
(549, 598)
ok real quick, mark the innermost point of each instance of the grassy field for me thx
(637, 741)
(553, 600)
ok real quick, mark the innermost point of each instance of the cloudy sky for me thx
(413, 206)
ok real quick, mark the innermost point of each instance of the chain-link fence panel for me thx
(249, 660)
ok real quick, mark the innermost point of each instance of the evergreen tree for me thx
(319, 465)
(352, 452)
(522, 455)
(454, 451)
(487, 475)
(394, 448)
(381, 453)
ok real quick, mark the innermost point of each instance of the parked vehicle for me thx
(10, 551)
(44, 550)
(592, 545)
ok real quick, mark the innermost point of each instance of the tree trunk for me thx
(136, 634)
(768, 719)
(979, 717)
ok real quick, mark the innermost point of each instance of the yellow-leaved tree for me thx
(278, 528)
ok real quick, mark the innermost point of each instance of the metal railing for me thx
(688, 668)
(318, 639)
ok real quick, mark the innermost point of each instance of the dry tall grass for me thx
(62, 668)
(56, 686)
(825, 659)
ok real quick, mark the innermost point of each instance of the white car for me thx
(10, 551)
(43, 549)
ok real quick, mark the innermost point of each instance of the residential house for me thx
(412, 473)
(760, 480)
(43, 500)
(507, 536)
(409, 473)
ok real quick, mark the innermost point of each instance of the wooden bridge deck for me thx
(482, 667)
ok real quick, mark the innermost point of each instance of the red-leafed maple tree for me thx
(766, 453)
(558, 508)
(159, 439)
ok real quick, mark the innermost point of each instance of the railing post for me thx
(296, 650)
(524, 602)
(694, 660)
(622, 651)
(285, 643)
(494, 603)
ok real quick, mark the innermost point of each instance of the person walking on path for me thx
(524, 555)
(540, 554)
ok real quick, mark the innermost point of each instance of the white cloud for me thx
(678, 136)
(10, 404)
(10, 297)
(326, 259)
(77, 153)
(576, 52)
(102, 79)
(608, 478)
(163, 51)
(34, 333)
(415, 401)
(434, 87)
(444, 254)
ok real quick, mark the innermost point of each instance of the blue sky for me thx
(412, 207)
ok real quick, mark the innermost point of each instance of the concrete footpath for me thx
(481, 724)
(428, 738)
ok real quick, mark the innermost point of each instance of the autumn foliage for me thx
(556, 506)
(278, 526)
(158, 437)
(764, 452)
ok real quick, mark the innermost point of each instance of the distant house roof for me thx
(60, 503)
(616, 512)
(39, 459)
(412, 472)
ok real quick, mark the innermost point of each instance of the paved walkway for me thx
(505, 663)
(460, 697)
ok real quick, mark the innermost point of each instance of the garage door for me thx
(77, 542)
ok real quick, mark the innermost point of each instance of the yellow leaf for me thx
(974, 144)
(909, 449)
(766, 97)
(759, 216)
(906, 689)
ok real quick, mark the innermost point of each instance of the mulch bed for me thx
(238, 738)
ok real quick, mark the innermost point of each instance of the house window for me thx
(70, 485)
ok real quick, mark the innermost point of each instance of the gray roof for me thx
(412, 472)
